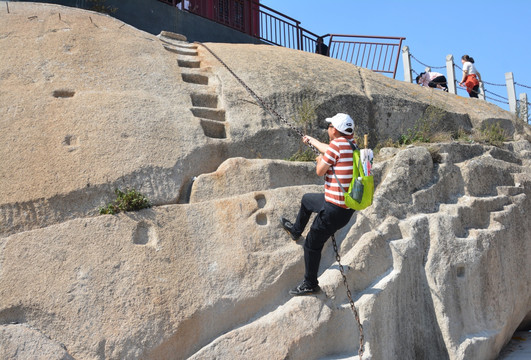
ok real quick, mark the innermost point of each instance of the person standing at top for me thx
(433, 80)
(332, 213)
(321, 48)
(471, 76)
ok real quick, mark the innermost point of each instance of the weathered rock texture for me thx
(438, 266)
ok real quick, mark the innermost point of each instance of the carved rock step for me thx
(195, 78)
(195, 64)
(181, 50)
(509, 190)
(182, 44)
(172, 35)
(214, 129)
(474, 214)
(208, 113)
(204, 100)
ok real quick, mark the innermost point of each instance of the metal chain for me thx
(421, 63)
(349, 295)
(501, 97)
(529, 87)
(274, 113)
(488, 83)
(493, 99)
(257, 98)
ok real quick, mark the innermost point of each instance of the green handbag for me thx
(361, 189)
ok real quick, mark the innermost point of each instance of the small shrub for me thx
(102, 7)
(384, 144)
(441, 136)
(427, 128)
(462, 135)
(306, 114)
(303, 155)
(412, 136)
(130, 200)
(493, 135)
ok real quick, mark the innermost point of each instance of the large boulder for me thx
(434, 265)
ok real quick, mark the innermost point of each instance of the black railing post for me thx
(299, 36)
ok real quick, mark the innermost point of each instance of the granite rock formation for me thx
(437, 265)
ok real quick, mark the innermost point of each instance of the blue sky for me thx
(495, 33)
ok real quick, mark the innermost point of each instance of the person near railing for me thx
(433, 79)
(471, 76)
(321, 48)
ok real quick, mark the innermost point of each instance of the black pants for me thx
(475, 91)
(329, 219)
(439, 80)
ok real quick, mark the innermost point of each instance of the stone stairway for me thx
(204, 95)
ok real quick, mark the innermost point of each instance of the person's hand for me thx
(307, 139)
(461, 84)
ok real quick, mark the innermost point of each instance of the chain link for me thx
(488, 83)
(501, 97)
(349, 295)
(275, 114)
(257, 98)
(421, 63)
(529, 87)
(503, 102)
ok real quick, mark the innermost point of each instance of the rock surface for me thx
(437, 265)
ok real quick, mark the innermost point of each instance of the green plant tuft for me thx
(493, 135)
(130, 200)
(303, 155)
(386, 143)
(102, 7)
(426, 127)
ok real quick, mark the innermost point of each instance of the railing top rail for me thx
(309, 32)
(364, 42)
(276, 12)
(369, 36)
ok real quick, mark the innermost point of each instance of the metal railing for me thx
(380, 54)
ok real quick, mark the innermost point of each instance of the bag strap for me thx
(354, 148)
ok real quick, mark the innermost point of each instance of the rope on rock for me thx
(278, 116)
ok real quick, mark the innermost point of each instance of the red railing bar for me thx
(379, 57)
(342, 51)
(397, 56)
(353, 51)
(370, 36)
(386, 50)
(363, 55)
(368, 56)
(358, 56)
(365, 42)
(392, 52)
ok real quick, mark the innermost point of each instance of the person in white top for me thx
(471, 76)
(433, 80)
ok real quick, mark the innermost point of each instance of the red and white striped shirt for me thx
(339, 156)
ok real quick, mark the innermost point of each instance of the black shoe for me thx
(288, 226)
(304, 289)
(445, 89)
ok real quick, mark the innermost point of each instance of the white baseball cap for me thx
(343, 123)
